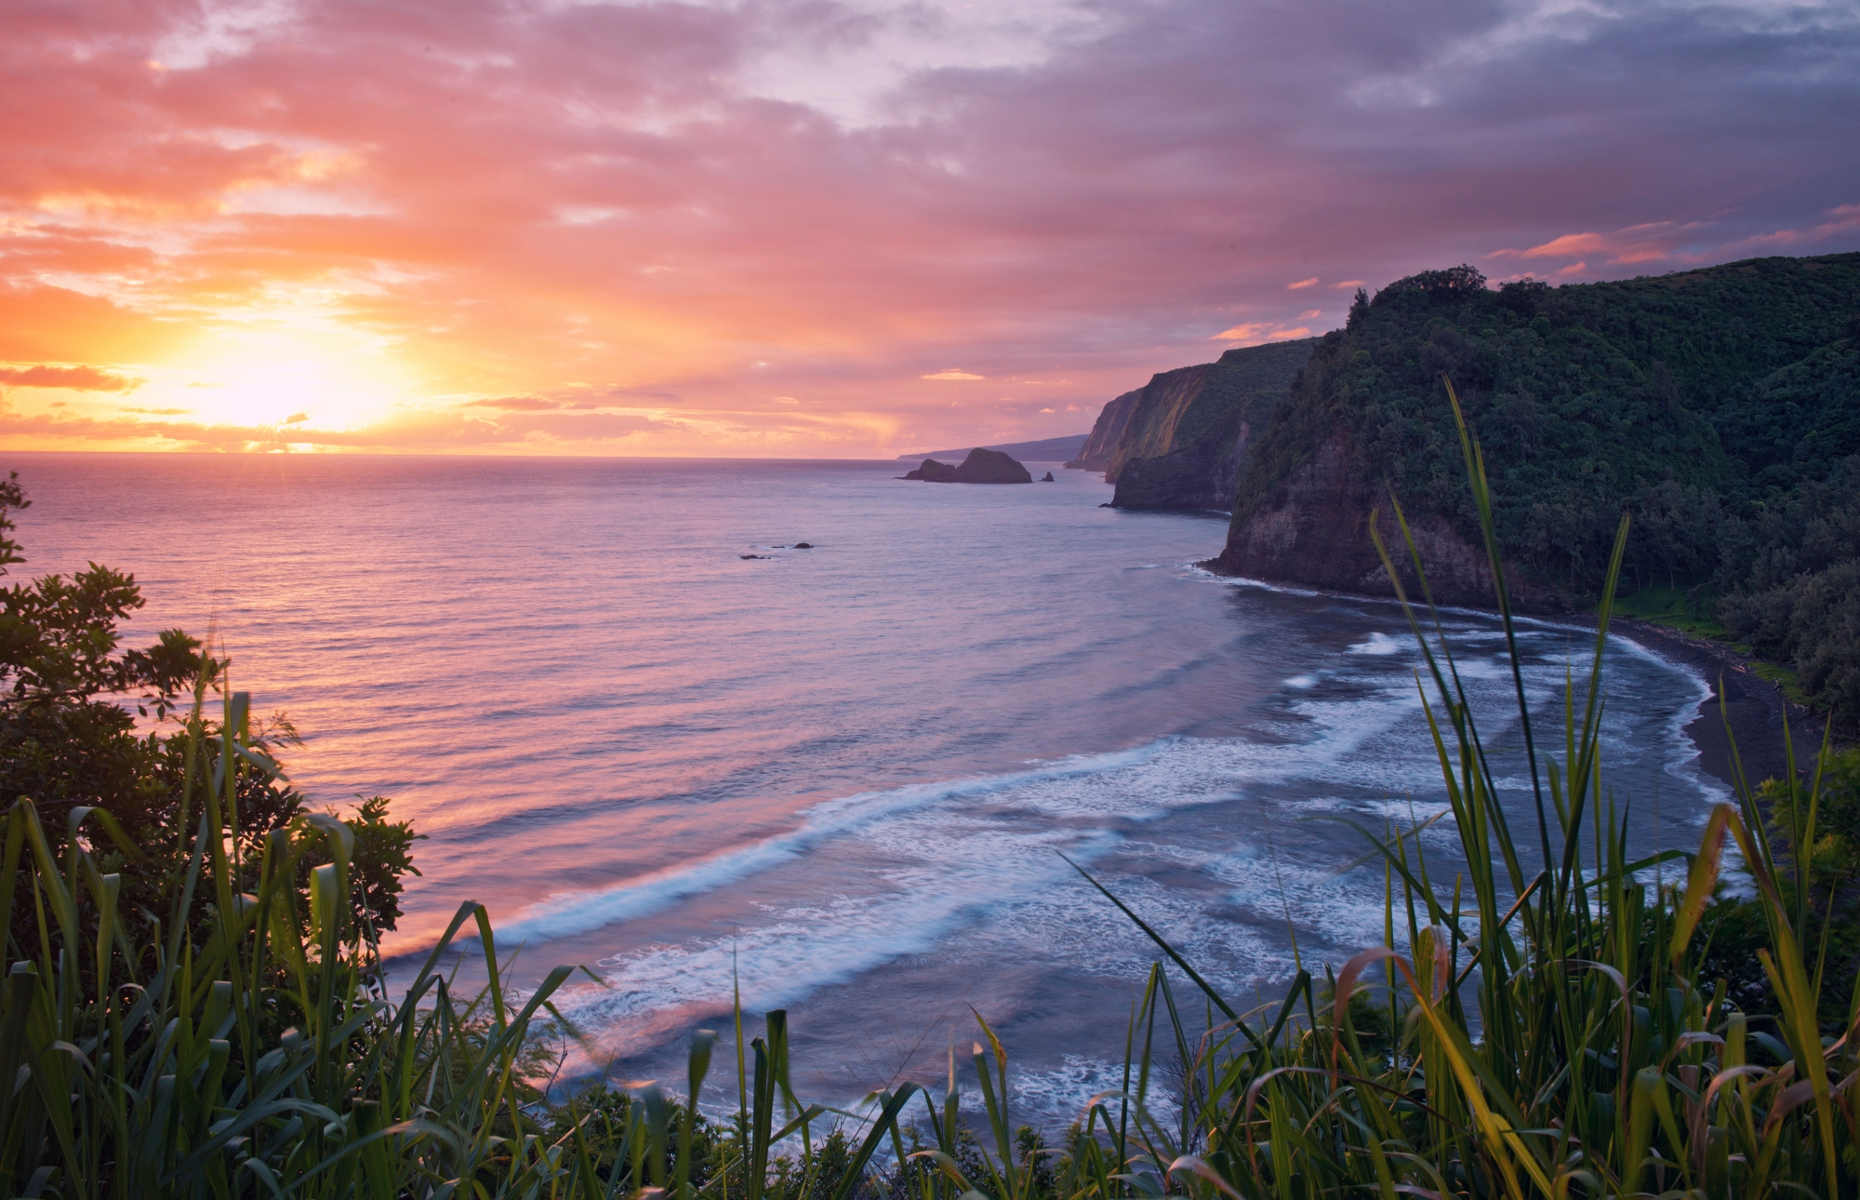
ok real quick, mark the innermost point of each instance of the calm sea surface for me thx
(842, 778)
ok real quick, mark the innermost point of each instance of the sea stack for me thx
(981, 466)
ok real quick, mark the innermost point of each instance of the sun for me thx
(310, 375)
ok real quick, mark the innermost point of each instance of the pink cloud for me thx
(1255, 332)
(1569, 246)
(1842, 218)
(521, 198)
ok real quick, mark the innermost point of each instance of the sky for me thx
(830, 228)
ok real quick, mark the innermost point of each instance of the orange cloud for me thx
(80, 379)
(1569, 246)
(1254, 332)
(43, 323)
(1301, 284)
(1645, 242)
(952, 374)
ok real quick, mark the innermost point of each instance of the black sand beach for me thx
(1748, 711)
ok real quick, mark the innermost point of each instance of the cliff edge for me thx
(1177, 442)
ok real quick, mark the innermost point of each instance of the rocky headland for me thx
(1698, 403)
(1718, 409)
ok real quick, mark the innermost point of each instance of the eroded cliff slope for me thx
(1106, 433)
(1177, 441)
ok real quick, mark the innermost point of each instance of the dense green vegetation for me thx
(1543, 1017)
(1721, 407)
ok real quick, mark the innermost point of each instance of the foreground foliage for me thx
(1541, 1019)
(70, 741)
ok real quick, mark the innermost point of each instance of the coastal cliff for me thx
(1316, 532)
(1106, 433)
(1177, 442)
(1718, 408)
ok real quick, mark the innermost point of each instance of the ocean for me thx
(836, 780)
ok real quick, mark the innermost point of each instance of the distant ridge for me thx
(1057, 449)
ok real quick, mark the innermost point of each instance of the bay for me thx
(841, 779)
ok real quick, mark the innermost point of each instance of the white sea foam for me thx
(797, 949)
(1063, 1090)
(1302, 682)
(950, 855)
(566, 913)
(1684, 765)
(1142, 783)
(1380, 644)
(1197, 570)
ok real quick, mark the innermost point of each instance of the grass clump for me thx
(1540, 1019)
(1689, 610)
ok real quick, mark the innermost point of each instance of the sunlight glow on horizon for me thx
(317, 375)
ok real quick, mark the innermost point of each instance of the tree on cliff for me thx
(70, 698)
(63, 741)
(1450, 283)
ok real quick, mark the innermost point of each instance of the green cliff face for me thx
(1719, 407)
(1177, 441)
(1107, 433)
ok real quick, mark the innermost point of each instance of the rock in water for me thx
(982, 466)
(991, 466)
(932, 471)
(1047, 478)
